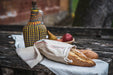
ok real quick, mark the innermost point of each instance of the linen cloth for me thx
(101, 67)
(54, 50)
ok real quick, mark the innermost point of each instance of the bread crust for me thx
(79, 59)
(90, 54)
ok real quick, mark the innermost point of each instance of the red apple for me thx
(67, 37)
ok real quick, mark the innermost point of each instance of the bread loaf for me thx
(79, 59)
(90, 54)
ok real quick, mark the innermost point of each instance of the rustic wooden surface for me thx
(9, 58)
(62, 30)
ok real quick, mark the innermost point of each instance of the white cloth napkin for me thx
(31, 58)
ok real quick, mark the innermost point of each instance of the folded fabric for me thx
(54, 50)
(19, 41)
(30, 55)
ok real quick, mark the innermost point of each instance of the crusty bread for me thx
(79, 59)
(90, 54)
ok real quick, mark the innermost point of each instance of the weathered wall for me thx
(18, 11)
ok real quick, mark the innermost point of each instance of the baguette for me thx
(90, 54)
(79, 59)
